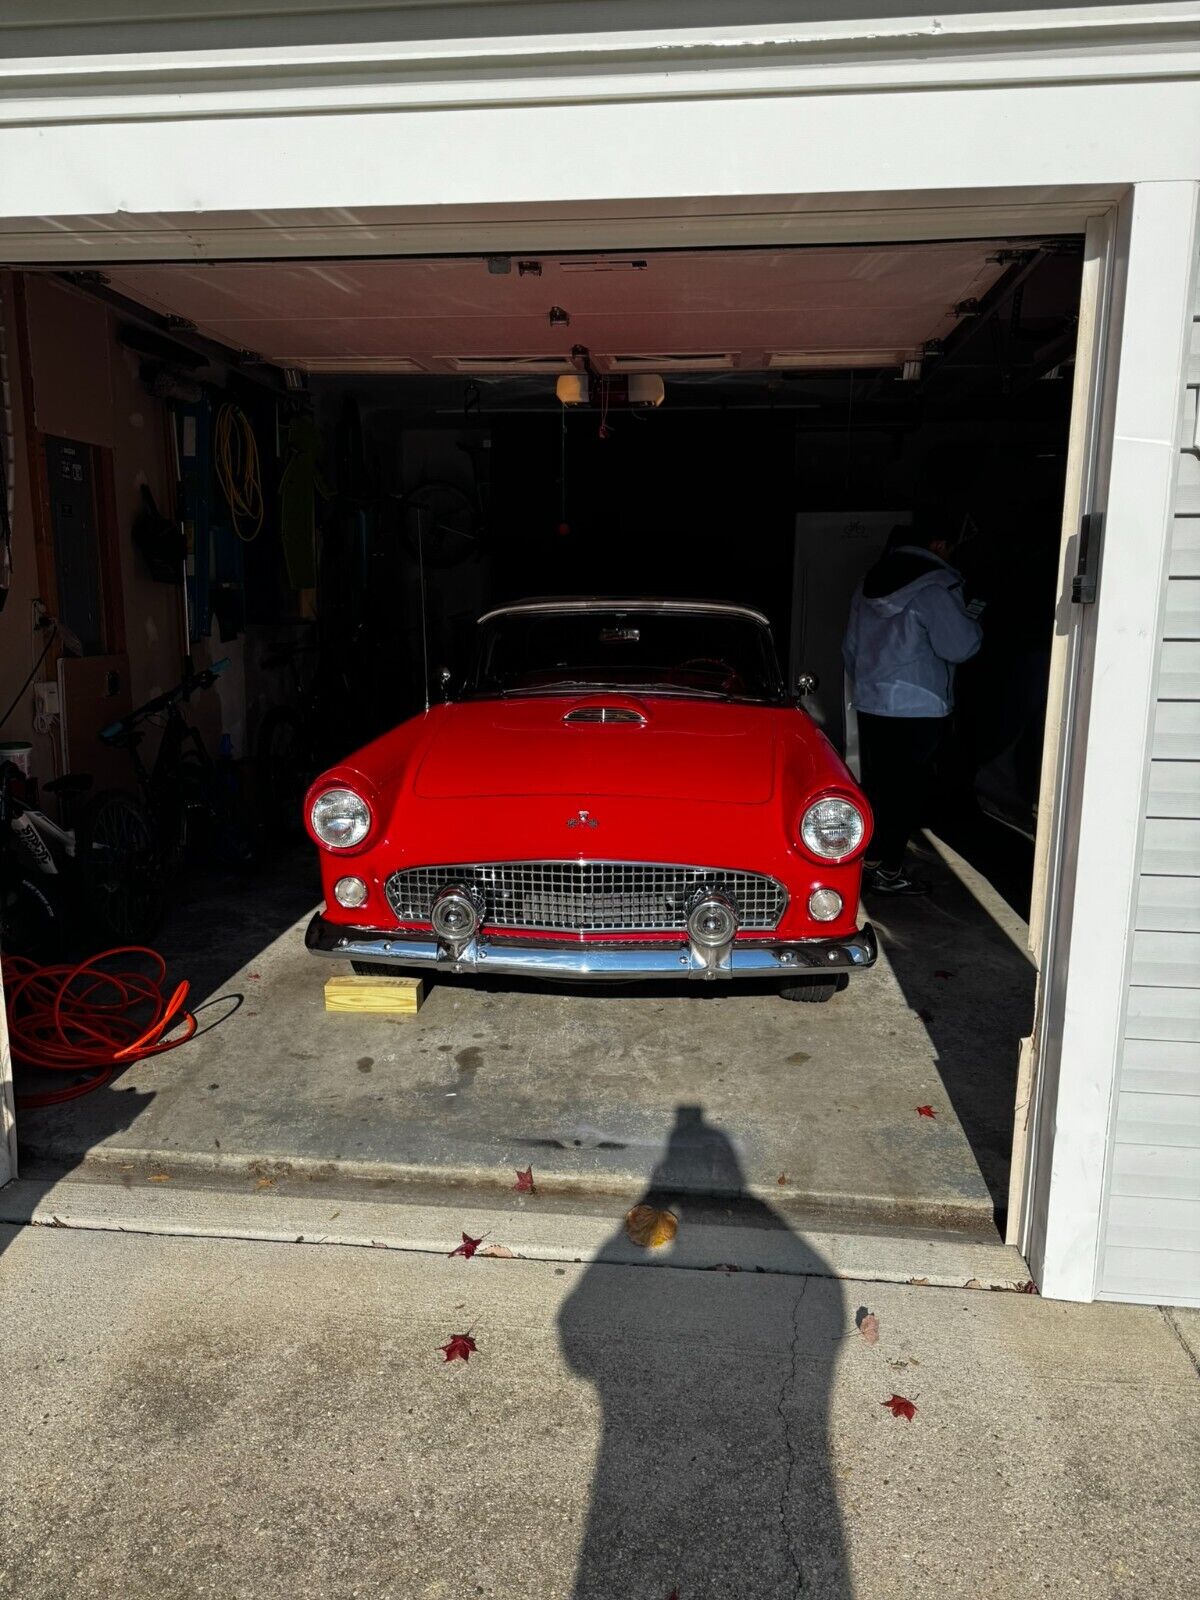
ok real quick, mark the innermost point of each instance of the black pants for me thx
(898, 755)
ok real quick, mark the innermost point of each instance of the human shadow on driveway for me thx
(713, 1479)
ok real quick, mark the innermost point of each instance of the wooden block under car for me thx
(375, 993)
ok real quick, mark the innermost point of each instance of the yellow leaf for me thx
(650, 1227)
(159, 1177)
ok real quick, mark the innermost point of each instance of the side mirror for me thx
(445, 677)
(807, 683)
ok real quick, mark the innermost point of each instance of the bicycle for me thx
(101, 876)
(184, 789)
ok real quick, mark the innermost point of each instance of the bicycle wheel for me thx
(29, 924)
(120, 867)
(283, 773)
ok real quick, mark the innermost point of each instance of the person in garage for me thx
(909, 628)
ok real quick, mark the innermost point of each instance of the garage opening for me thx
(323, 473)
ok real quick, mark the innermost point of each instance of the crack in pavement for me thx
(1183, 1344)
(785, 1394)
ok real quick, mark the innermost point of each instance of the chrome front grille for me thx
(587, 896)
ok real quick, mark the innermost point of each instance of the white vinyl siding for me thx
(1151, 1241)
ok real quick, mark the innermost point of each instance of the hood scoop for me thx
(604, 714)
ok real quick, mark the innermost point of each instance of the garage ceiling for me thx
(743, 310)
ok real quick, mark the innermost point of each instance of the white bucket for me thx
(19, 752)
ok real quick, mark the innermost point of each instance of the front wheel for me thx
(815, 991)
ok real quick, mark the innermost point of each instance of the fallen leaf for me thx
(524, 1183)
(468, 1247)
(897, 1405)
(460, 1346)
(333, 1215)
(723, 1266)
(868, 1324)
(500, 1250)
(264, 1183)
(782, 1178)
(940, 972)
(926, 1111)
(925, 1016)
(972, 1283)
(898, 1366)
(159, 1177)
(1028, 1287)
(919, 1281)
(650, 1227)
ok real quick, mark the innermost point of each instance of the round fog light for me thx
(350, 891)
(455, 914)
(824, 905)
(712, 922)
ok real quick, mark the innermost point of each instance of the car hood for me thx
(678, 749)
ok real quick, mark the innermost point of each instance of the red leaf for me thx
(524, 1183)
(926, 1111)
(925, 1016)
(900, 1407)
(468, 1247)
(459, 1347)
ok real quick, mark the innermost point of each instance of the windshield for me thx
(661, 652)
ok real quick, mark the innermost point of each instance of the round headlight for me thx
(340, 818)
(832, 828)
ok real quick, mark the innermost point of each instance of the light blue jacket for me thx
(900, 649)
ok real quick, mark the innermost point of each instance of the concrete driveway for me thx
(218, 1420)
(813, 1107)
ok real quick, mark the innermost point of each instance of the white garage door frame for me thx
(969, 129)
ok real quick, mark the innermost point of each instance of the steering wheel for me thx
(730, 679)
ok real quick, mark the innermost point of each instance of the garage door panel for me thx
(1169, 904)
(1166, 960)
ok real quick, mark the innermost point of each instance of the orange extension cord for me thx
(72, 1019)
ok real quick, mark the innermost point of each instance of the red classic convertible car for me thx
(622, 789)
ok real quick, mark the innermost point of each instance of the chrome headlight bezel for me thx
(340, 803)
(825, 813)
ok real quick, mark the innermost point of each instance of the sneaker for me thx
(879, 882)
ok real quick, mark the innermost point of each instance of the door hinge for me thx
(1087, 568)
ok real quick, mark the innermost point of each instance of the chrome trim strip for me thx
(570, 603)
(801, 958)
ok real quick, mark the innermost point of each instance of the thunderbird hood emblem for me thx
(582, 819)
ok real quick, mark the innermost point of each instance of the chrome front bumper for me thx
(599, 960)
